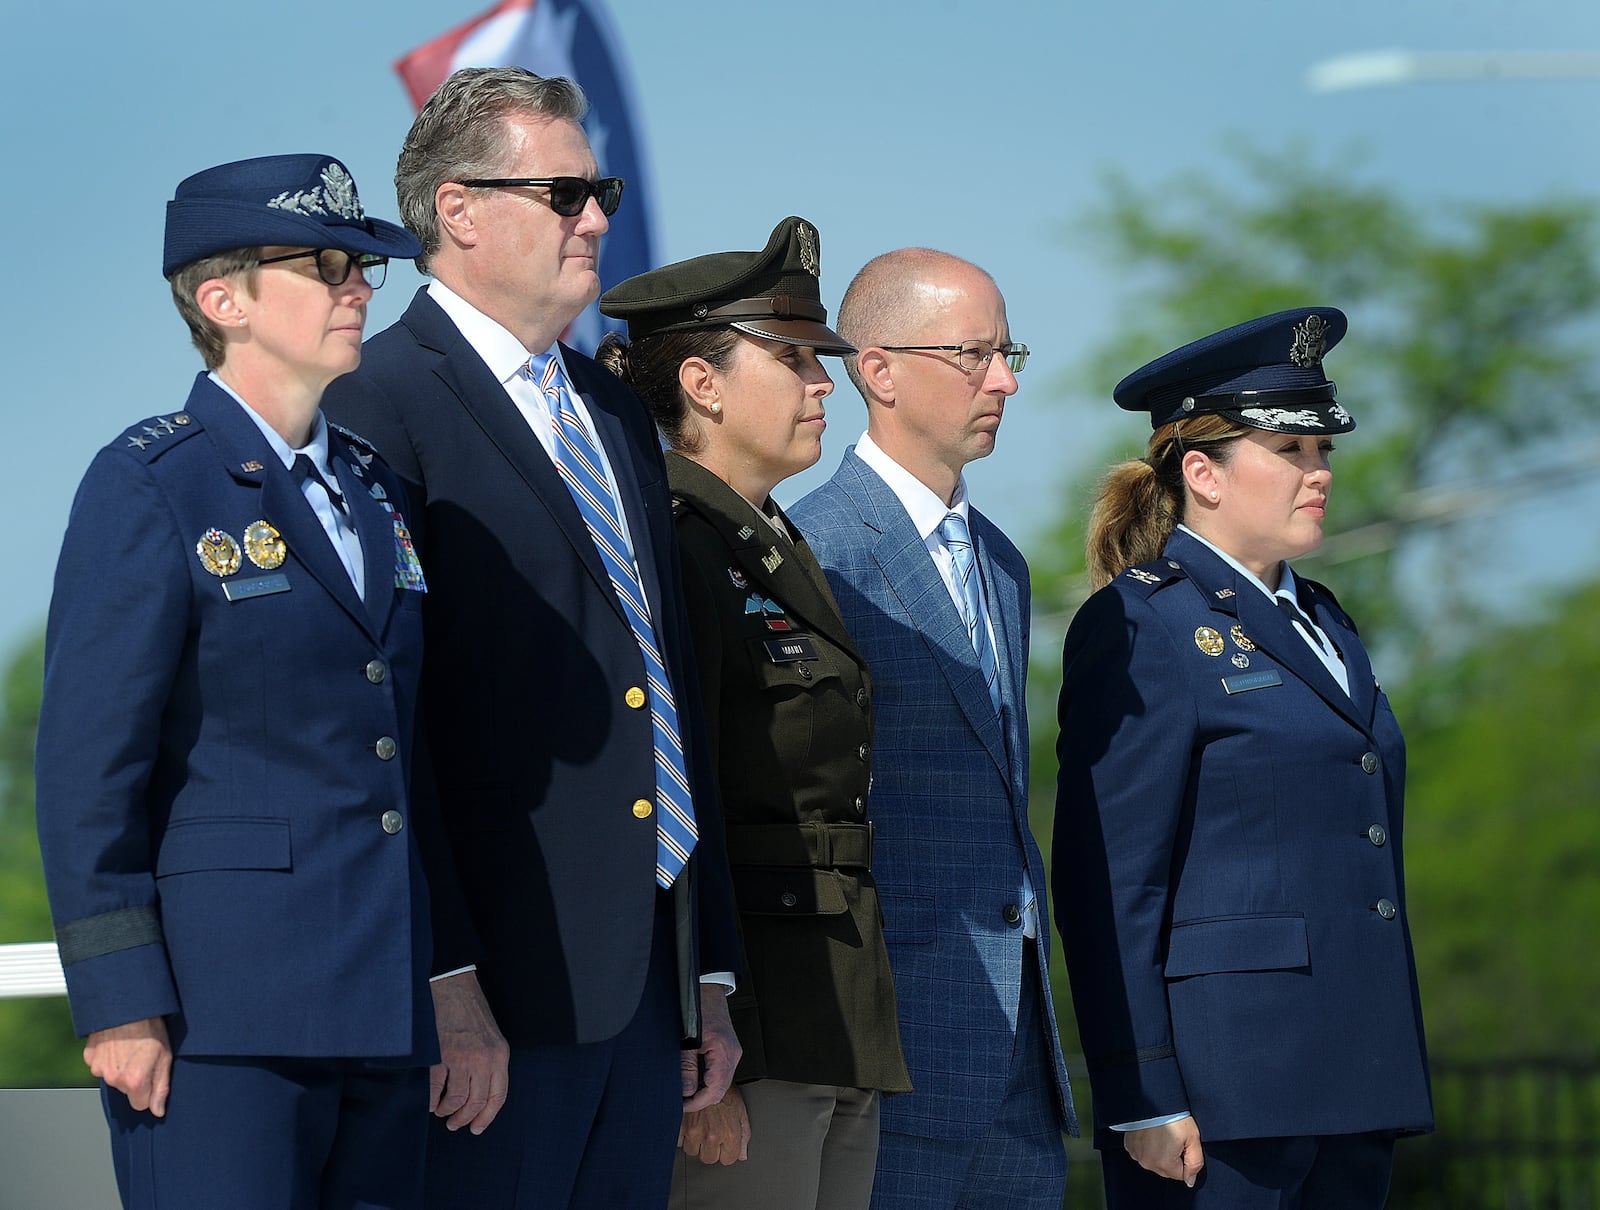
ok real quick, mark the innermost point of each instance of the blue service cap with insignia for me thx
(771, 293)
(1265, 373)
(290, 200)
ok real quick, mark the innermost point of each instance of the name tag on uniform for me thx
(261, 586)
(787, 651)
(1251, 680)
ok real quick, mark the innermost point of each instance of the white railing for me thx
(31, 969)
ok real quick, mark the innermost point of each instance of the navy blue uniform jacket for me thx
(538, 755)
(214, 774)
(1227, 868)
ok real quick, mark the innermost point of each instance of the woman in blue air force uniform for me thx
(1227, 865)
(231, 669)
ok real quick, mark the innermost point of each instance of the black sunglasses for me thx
(334, 265)
(568, 194)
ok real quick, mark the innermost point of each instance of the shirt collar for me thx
(1287, 586)
(925, 508)
(502, 352)
(316, 449)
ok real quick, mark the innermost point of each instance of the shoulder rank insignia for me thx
(219, 553)
(1143, 576)
(150, 432)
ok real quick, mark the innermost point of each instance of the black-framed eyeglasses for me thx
(334, 265)
(568, 194)
(972, 355)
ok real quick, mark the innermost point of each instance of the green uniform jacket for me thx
(788, 712)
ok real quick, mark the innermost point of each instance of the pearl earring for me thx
(1213, 495)
(716, 407)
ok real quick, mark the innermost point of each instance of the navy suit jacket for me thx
(537, 756)
(216, 762)
(949, 799)
(1227, 836)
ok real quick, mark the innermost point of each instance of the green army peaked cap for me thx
(772, 293)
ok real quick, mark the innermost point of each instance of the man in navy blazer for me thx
(554, 931)
(231, 675)
(940, 608)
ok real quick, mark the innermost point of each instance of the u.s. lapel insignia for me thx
(1241, 660)
(1224, 593)
(219, 553)
(251, 466)
(1241, 640)
(738, 578)
(265, 545)
(772, 561)
(746, 533)
(1208, 640)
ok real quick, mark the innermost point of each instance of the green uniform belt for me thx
(821, 845)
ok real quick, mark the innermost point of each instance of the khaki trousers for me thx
(812, 1147)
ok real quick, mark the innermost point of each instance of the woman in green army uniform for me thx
(724, 350)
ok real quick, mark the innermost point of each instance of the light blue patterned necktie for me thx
(583, 471)
(958, 541)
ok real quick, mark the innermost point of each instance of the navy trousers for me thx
(591, 1127)
(275, 1134)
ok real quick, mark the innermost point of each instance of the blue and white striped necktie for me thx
(958, 541)
(583, 471)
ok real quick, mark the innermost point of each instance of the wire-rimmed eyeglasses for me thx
(972, 355)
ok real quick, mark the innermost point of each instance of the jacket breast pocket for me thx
(224, 844)
(789, 891)
(1237, 943)
(786, 662)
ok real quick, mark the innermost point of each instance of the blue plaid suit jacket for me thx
(949, 798)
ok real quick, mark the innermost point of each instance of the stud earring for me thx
(1213, 495)
(716, 407)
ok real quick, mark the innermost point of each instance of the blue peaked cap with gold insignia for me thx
(290, 200)
(1265, 373)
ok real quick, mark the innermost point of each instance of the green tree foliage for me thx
(1471, 346)
(37, 1045)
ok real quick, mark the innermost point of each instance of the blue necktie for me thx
(582, 470)
(958, 541)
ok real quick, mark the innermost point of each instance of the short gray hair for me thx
(461, 133)
(186, 282)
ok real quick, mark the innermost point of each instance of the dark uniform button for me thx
(1012, 914)
(1386, 909)
(788, 899)
(805, 672)
(392, 822)
(376, 671)
(859, 804)
(385, 748)
(862, 751)
(1369, 762)
(861, 698)
(1377, 835)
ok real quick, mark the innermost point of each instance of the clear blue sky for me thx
(979, 126)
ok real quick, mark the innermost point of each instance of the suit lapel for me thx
(374, 526)
(909, 571)
(483, 398)
(240, 444)
(1004, 594)
(1230, 594)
